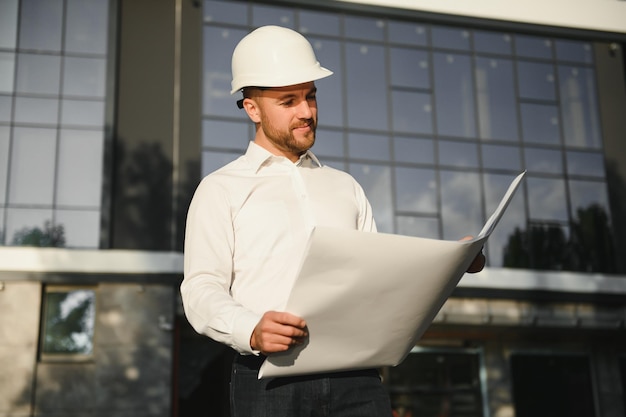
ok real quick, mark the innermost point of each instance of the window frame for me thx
(65, 356)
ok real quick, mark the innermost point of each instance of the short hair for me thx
(249, 92)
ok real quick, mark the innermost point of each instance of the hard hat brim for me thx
(316, 73)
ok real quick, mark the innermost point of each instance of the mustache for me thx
(305, 123)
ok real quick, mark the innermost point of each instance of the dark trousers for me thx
(340, 394)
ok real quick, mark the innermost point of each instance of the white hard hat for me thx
(273, 56)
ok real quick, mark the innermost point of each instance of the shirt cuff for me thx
(243, 331)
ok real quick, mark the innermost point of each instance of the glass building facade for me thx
(53, 74)
(434, 121)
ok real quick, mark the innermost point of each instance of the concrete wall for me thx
(130, 373)
(19, 333)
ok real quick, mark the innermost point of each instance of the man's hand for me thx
(277, 332)
(478, 263)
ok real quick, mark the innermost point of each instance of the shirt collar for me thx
(259, 156)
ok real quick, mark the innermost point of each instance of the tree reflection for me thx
(591, 239)
(142, 208)
(52, 235)
(588, 248)
(69, 321)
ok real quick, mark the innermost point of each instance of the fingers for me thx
(277, 332)
(477, 264)
(283, 318)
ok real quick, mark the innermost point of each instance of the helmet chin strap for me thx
(240, 101)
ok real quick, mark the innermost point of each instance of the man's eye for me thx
(287, 103)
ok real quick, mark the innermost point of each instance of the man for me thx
(247, 228)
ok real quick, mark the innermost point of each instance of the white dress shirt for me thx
(247, 229)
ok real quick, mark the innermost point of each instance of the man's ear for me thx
(252, 108)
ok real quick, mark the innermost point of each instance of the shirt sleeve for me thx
(208, 269)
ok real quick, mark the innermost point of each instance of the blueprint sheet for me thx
(368, 297)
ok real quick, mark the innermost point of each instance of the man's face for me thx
(288, 119)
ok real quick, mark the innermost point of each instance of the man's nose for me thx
(304, 110)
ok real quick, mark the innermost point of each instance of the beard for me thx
(285, 139)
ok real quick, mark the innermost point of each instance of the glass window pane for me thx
(84, 77)
(368, 146)
(548, 199)
(81, 228)
(376, 182)
(574, 51)
(329, 143)
(412, 112)
(312, 22)
(540, 123)
(6, 104)
(414, 150)
(218, 47)
(408, 33)
(454, 95)
(426, 383)
(7, 72)
(592, 232)
(330, 96)
(460, 204)
(366, 86)
(225, 12)
(563, 378)
(425, 227)
(32, 227)
(543, 245)
(272, 15)
(86, 26)
(450, 38)
(579, 107)
(31, 180)
(82, 113)
(36, 110)
(496, 98)
(416, 190)
(458, 154)
(364, 28)
(211, 161)
(69, 319)
(79, 168)
(409, 68)
(501, 157)
(585, 194)
(546, 161)
(41, 24)
(533, 47)
(225, 135)
(492, 42)
(5, 137)
(500, 246)
(38, 74)
(585, 163)
(536, 81)
(8, 23)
